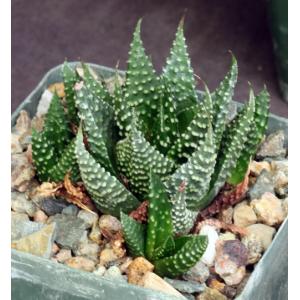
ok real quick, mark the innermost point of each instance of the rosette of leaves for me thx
(159, 123)
(171, 256)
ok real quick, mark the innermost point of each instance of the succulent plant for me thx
(170, 255)
(152, 123)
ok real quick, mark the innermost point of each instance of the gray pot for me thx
(38, 278)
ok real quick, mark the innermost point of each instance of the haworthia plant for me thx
(170, 255)
(151, 123)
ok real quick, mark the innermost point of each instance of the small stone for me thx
(100, 271)
(273, 146)
(225, 215)
(186, 286)
(285, 206)
(38, 243)
(95, 234)
(254, 247)
(15, 144)
(280, 165)
(40, 216)
(114, 273)
(209, 255)
(211, 294)
(227, 236)
(44, 103)
(88, 218)
(23, 123)
(19, 216)
(257, 166)
(199, 272)
(70, 231)
(138, 268)
(152, 281)
(54, 249)
(89, 250)
(262, 233)
(21, 228)
(226, 290)
(125, 264)
(81, 263)
(63, 255)
(263, 184)
(230, 262)
(37, 123)
(21, 172)
(107, 256)
(110, 223)
(280, 183)
(58, 87)
(71, 210)
(52, 206)
(244, 215)
(20, 204)
(268, 209)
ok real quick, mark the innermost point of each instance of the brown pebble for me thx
(40, 216)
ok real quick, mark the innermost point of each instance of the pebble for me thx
(227, 236)
(81, 263)
(199, 272)
(21, 228)
(273, 146)
(87, 249)
(138, 268)
(107, 256)
(19, 216)
(100, 271)
(40, 217)
(71, 210)
(95, 234)
(244, 215)
(211, 294)
(58, 87)
(63, 255)
(280, 165)
(38, 243)
(254, 247)
(256, 167)
(263, 184)
(281, 183)
(230, 262)
(15, 144)
(54, 249)
(209, 255)
(21, 172)
(70, 230)
(125, 264)
(226, 290)
(285, 204)
(88, 218)
(114, 273)
(44, 103)
(262, 233)
(52, 206)
(20, 204)
(268, 209)
(110, 223)
(226, 215)
(23, 123)
(186, 286)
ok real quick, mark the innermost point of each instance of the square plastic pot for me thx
(34, 277)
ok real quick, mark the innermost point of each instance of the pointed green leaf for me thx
(222, 97)
(94, 85)
(159, 217)
(134, 233)
(196, 172)
(136, 157)
(70, 79)
(166, 249)
(56, 128)
(185, 258)
(235, 138)
(98, 118)
(108, 193)
(142, 87)
(66, 163)
(179, 73)
(43, 154)
(258, 128)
